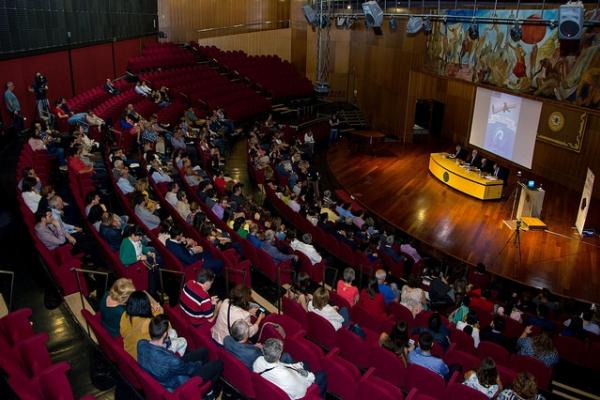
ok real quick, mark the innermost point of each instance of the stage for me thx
(395, 184)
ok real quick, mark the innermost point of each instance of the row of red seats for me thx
(366, 354)
(142, 63)
(59, 262)
(134, 374)
(279, 78)
(26, 361)
(94, 96)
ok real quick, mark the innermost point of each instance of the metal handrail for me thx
(241, 26)
(77, 271)
(12, 285)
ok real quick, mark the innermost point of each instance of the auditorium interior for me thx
(300, 199)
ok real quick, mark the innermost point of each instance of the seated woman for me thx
(133, 250)
(486, 379)
(412, 296)
(237, 306)
(372, 301)
(540, 347)
(345, 289)
(134, 322)
(523, 387)
(397, 341)
(112, 305)
(299, 290)
(460, 314)
(437, 329)
(319, 304)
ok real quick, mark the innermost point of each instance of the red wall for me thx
(91, 66)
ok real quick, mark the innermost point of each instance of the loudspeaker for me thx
(310, 14)
(570, 22)
(373, 14)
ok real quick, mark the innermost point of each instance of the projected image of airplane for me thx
(504, 108)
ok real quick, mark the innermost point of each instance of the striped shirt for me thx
(196, 303)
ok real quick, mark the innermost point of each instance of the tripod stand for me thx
(515, 240)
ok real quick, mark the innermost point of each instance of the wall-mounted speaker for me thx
(570, 22)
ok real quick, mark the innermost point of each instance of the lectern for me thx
(530, 202)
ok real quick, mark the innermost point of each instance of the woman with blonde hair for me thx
(112, 305)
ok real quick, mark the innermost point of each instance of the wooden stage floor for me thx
(396, 185)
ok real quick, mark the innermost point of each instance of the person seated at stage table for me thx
(499, 172)
(474, 159)
(486, 166)
(460, 153)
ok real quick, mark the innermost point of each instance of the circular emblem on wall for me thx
(556, 121)
(446, 177)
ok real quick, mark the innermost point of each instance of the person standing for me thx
(40, 89)
(14, 107)
(334, 124)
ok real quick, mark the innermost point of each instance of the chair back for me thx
(236, 374)
(458, 391)
(542, 373)
(388, 366)
(426, 381)
(321, 331)
(498, 353)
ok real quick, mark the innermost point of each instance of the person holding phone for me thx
(237, 306)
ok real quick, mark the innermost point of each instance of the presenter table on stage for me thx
(452, 174)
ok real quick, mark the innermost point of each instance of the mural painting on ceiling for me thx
(533, 65)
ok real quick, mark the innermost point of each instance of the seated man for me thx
(269, 248)
(110, 88)
(460, 153)
(167, 368)
(171, 195)
(157, 173)
(188, 252)
(305, 247)
(144, 214)
(494, 333)
(111, 230)
(123, 180)
(422, 356)
(389, 292)
(293, 379)
(50, 231)
(195, 301)
(439, 290)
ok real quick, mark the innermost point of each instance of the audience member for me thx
(422, 356)
(523, 387)
(169, 370)
(345, 289)
(372, 301)
(112, 305)
(320, 306)
(540, 347)
(412, 296)
(437, 329)
(305, 247)
(196, 303)
(293, 379)
(389, 291)
(237, 306)
(473, 322)
(397, 341)
(494, 333)
(485, 380)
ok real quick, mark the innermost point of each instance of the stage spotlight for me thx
(393, 24)
(570, 21)
(414, 25)
(325, 22)
(350, 22)
(474, 31)
(427, 26)
(516, 33)
(340, 22)
(373, 14)
(310, 14)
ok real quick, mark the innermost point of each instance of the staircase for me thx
(353, 118)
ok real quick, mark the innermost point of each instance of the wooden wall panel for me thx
(181, 19)
(277, 42)
(299, 35)
(549, 162)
